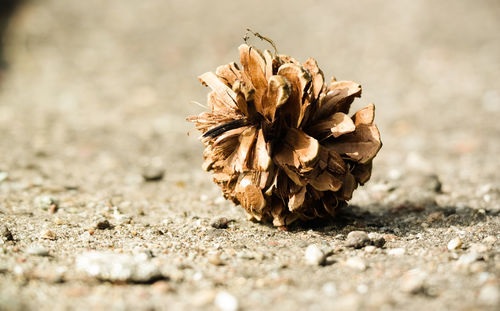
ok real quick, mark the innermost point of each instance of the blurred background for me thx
(90, 80)
(93, 91)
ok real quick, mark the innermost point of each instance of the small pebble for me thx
(224, 301)
(215, 260)
(396, 252)
(37, 251)
(357, 239)
(118, 267)
(356, 263)
(203, 298)
(314, 256)
(220, 223)
(413, 282)
(102, 224)
(3, 176)
(153, 173)
(454, 244)
(6, 234)
(161, 287)
(434, 217)
(49, 235)
(45, 202)
(370, 249)
(376, 239)
(53, 209)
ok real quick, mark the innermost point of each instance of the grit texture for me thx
(104, 205)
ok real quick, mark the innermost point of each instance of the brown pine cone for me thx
(279, 140)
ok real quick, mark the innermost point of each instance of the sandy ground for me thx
(96, 92)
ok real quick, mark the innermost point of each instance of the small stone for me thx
(376, 239)
(489, 295)
(102, 224)
(3, 176)
(224, 301)
(49, 235)
(118, 267)
(203, 298)
(435, 216)
(356, 263)
(37, 251)
(122, 219)
(49, 275)
(220, 223)
(215, 259)
(53, 209)
(153, 173)
(413, 282)
(454, 244)
(370, 249)
(6, 234)
(396, 252)
(357, 239)
(45, 202)
(390, 237)
(314, 256)
(161, 287)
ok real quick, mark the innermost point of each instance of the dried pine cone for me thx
(279, 141)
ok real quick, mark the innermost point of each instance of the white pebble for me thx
(3, 176)
(314, 256)
(370, 249)
(356, 263)
(224, 301)
(396, 252)
(117, 267)
(454, 244)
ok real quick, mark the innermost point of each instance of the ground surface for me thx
(97, 90)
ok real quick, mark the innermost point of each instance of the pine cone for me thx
(279, 141)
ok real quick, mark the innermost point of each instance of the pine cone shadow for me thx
(400, 220)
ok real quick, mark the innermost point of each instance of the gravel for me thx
(454, 244)
(6, 234)
(96, 90)
(314, 256)
(220, 223)
(45, 202)
(153, 173)
(37, 251)
(224, 301)
(48, 235)
(396, 251)
(357, 239)
(356, 263)
(102, 224)
(107, 266)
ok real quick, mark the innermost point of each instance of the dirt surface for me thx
(96, 94)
